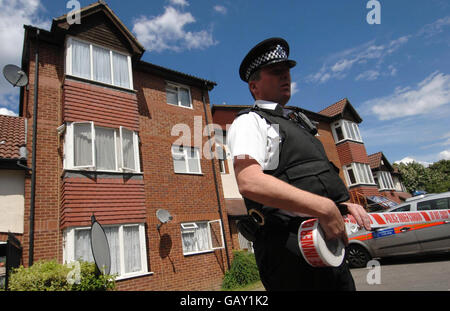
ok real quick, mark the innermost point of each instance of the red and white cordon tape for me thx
(319, 252)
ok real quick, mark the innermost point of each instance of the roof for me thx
(100, 6)
(175, 75)
(337, 110)
(375, 160)
(12, 136)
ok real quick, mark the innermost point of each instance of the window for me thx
(358, 173)
(384, 180)
(200, 237)
(435, 204)
(96, 63)
(178, 95)
(126, 245)
(346, 130)
(91, 147)
(186, 160)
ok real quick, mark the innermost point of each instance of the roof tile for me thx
(12, 136)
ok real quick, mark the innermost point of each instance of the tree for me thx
(432, 179)
(439, 176)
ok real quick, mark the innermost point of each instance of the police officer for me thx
(285, 177)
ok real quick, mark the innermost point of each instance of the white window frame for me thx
(178, 86)
(115, 150)
(185, 155)
(190, 227)
(69, 150)
(350, 131)
(135, 151)
(68, 62)
(385, 180)
(89, 167)
(69, 248)
(361, 171)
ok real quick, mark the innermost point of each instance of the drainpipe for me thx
(33, 165)
(215, 180)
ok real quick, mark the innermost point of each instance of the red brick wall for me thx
(187, 197)
(47, 236)
(352, 152)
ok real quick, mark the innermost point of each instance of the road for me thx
(417, 273)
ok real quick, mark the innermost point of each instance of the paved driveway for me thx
(419, 273)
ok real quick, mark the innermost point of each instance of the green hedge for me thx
(52, 276)
(243, 271)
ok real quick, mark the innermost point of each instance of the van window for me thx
(433, 204)
(442, 203)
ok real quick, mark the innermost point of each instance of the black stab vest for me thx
(303, 162)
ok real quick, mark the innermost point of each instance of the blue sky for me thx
(396, 73)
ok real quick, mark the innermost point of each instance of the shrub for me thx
(243, 271)
(52, 276)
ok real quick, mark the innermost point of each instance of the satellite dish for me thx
(15, 75)
(100, 247)
(163, 216)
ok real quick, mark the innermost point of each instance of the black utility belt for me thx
(289, 223)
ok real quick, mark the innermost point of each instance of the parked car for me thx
(394, 240)
(424, 202)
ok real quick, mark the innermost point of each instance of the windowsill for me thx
(181, 106)
(119, 88)
(74, 170)
(198, 253)
(197, 174)
(349, 139)
(130, 276)
(359, 185)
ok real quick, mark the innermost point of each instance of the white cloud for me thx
(434, 28)
(338, 65)
(179, 2)
(431, 93)
(294, 88)
(368, 75)
(221, 9)
(13, 15)
(410, 159)
(444, 155)
(167, 32)
(7, 112)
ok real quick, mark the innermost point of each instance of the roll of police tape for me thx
(319, 252)
(316, 250)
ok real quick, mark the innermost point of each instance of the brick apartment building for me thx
(105, 147)
(369, 179)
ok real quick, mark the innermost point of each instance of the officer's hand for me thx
(360, 215)
(333, 224)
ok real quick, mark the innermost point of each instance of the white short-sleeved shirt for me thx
(250, 134)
